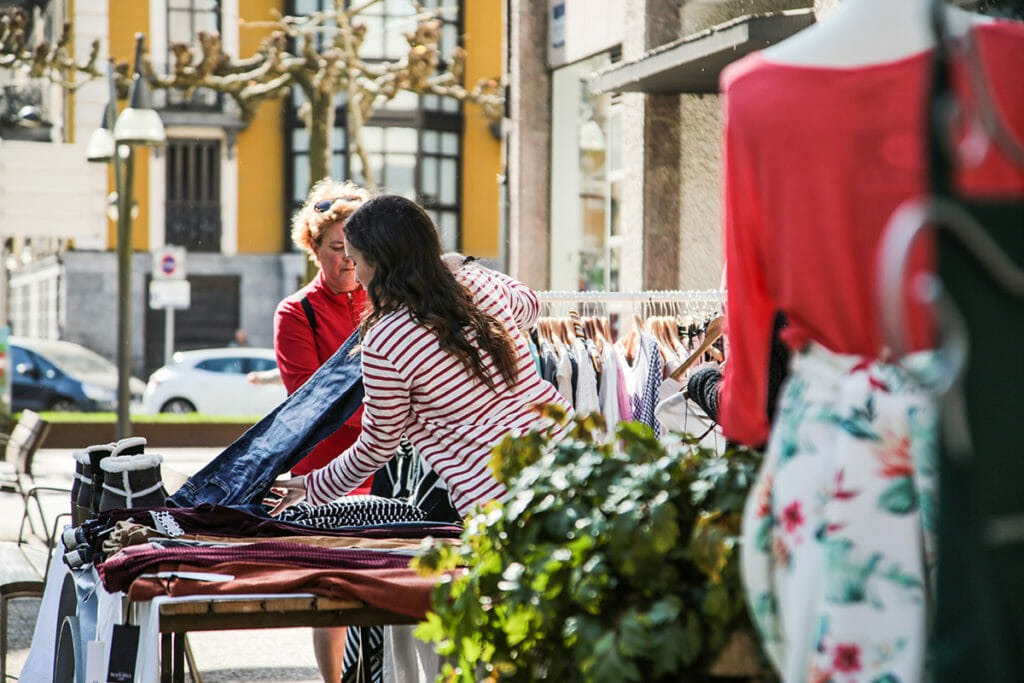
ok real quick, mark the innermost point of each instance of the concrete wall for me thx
(529, 141)
(700, 213)
(671, 145)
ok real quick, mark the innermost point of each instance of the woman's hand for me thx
(292, 491)
(453, 259)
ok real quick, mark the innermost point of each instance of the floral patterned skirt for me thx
(838, 532)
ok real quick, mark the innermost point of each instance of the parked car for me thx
(213, 381)
(49, 374)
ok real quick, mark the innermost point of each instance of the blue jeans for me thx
(243, 473)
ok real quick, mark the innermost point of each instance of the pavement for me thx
(284, 655)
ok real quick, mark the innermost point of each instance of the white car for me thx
(213, 381)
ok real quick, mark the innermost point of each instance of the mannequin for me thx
(823, 140)
(862, 32)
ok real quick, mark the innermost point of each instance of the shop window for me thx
(586, 181)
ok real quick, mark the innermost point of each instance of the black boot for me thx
(131, 445)
(82, 465)
(91, 487)
(132, 481)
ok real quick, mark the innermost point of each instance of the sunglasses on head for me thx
(325, 204)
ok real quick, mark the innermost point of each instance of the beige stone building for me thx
(613, 135)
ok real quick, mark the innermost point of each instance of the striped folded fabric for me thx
(352, 511)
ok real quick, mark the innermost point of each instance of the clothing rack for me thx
(710, 296)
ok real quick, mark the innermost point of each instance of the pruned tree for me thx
(292, 55)
(42, 60)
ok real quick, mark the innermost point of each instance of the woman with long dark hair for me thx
(444, 360)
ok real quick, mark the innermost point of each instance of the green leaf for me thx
(665, 610)
(518, 626)
(431, 629)
(692, 641)
(711, 544)
(634, 638)
(608, 665)
(471, 649)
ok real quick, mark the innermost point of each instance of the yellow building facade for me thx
(225, 189)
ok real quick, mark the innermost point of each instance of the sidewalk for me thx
(284, 655)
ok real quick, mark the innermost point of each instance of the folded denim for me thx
(242, 474)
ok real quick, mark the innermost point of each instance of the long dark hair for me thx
(396, 236)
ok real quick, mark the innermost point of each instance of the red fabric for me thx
(124, 566)
(399, 590)
(815, 162)
(300, 353)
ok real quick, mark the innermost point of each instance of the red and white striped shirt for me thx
(453, 419)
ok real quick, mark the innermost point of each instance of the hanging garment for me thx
(608, 391)
(676, 412)
(548, 362)
(586, 380)
(838, 532)
(563, 375)
(643, 377)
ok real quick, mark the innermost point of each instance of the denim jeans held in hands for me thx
(243, 473)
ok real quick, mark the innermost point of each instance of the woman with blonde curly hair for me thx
(310, 325)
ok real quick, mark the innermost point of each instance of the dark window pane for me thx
(234, 366)
(193, 194)
(261, 364)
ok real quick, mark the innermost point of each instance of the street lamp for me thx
(137, 125)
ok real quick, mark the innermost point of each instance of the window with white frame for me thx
(413, 143)
(186, 19)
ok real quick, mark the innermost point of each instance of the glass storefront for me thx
(587, 173)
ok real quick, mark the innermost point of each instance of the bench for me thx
(16, 475)
(22, 575)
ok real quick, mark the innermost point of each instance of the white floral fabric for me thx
(839, 529)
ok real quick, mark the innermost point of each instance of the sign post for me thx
(169, 290)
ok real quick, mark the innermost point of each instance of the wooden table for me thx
(284, 611)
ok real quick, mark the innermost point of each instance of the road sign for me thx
(169, 263)
(170, 294)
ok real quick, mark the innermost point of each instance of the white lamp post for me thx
(137, 125)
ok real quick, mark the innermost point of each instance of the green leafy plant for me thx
(614, 559)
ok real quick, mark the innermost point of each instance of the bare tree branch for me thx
(319, 53)
(43, 61)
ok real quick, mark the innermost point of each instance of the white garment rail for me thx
(710, 296)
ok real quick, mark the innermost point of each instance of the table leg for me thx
(165, 657)
(179, 658)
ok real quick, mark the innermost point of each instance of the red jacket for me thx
(301, 350)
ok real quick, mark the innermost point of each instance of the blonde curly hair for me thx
(308, 224)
